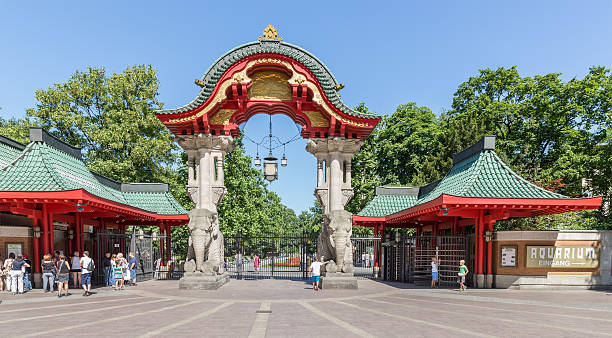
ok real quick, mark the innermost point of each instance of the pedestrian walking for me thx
(48, 272)
(315, 272)
(256, 263)
(132, 266)
(76, 270)
(6, 269)
(63, 275)
(463, 271)
(27, 285)
(434, 271)
(363, 260)
(87, 268)
(107, 266)
(112, 274)
(124, 268)
(118, 274)
(17, 274)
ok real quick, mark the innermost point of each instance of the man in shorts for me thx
(315, 272)
(434, 271)
(133, 265)
(86, 265)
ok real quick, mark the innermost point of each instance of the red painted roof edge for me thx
(445, 200)
(82, 194)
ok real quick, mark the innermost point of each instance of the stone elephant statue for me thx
(205, 253)
(334, 242)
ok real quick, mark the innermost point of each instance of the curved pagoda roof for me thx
(478, 179)
(47, 165)
(269, 51)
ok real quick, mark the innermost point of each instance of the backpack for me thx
(90, 266)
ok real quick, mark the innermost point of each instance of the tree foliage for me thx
(552, 132)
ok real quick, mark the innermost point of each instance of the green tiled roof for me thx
(9, 150)
(322, 73)
(486, 175)
(383, 205)
(477, 172)
(42, 167)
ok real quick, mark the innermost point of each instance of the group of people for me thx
(56, 270)
(118, 271)
(367, 260)
(16, 271)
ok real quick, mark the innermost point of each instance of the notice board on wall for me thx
(508, 256)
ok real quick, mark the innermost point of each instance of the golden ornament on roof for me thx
(270, 34)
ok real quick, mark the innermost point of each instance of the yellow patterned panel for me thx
(316, 118)
(270, 85)
(222, 117)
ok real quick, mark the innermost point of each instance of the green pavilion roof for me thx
(47, 164)
(477, 172)
(316, 66)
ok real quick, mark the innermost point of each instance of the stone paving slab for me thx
(292, 309)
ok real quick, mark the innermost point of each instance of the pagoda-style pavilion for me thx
(47, 181)
(479, 190)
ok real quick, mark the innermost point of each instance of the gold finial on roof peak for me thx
(270, 34)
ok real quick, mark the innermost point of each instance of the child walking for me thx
(463, 271)
(118, 274)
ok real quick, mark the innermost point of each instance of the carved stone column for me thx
(204, 266)
(206, 185)
(334, 156)
(334, 191)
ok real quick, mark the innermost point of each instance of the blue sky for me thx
(387, 53)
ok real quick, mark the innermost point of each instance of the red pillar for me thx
(480, 239)
(78, 233)
(168, 239)
(490, 250)
(45, 229)
(35, 243)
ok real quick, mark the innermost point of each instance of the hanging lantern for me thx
(257, 161)
(270, 168)
(140, 234)
(283, 161)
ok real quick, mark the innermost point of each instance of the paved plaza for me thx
(285, 308)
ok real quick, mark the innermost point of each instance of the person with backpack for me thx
(48, 272)
(17, 274)
(63, 271)
(87, 268)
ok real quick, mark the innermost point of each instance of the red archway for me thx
(281, 79)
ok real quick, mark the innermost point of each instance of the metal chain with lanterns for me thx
(271, 142)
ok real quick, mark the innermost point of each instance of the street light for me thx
(488, 235)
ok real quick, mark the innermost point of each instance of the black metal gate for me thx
(408, 259)
(147, 249)
(364, 249)
(269, 256)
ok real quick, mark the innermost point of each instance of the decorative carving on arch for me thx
(270, 83)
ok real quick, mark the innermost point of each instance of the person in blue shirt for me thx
(133, 265)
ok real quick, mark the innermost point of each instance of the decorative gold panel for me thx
(269, 85)
(222, 117)
(316, 118)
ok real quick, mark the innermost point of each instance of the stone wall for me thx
(523, 277)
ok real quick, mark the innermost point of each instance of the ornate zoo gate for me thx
(408, 259)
